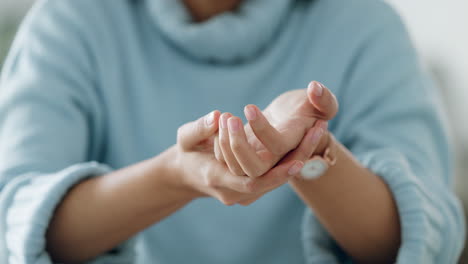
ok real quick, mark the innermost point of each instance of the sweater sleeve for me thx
(391, 120)
(49, 130)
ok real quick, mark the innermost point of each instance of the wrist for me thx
(173, 175)
(323, 158)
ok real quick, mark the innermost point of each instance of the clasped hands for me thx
(220, 157)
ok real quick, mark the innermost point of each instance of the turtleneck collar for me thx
(228, 37)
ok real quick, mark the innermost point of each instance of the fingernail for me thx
(295, 168)
(209, 119)
(233, 124)
(250, 113)
(224, 119)
(317, 88)
(317, 135)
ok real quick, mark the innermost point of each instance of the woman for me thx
(93, 92)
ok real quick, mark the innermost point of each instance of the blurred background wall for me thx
(440, 32)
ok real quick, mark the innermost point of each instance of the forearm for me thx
(102, 212)
(356, 207)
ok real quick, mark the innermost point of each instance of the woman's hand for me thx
(202, 175)
(314, 141)
(273, 133)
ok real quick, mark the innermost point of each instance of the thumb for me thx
(191, 134)
(322, 99)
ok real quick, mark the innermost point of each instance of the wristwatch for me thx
(319, 164)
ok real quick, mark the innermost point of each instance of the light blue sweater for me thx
(91, 86)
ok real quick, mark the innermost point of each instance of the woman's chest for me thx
(147, 93)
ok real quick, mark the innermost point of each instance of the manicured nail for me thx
(250, 113)
(316, 87)
(295, 168)
(233, 124)
(224, 119)
(209, 119)
(317, 135)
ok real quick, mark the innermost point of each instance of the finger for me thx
(276, 177)
(309, 142)
(246, 156)
(217, 149)
(264, 131)
(225, 146)
(323, 100)
(227, 181)
(192, 133)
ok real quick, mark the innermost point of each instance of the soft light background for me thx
(440, 32)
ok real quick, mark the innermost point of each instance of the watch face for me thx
(314, 169)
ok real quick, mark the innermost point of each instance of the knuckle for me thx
(259, 171)
(227, 200)
(180, 132)
(246, 203)
(250, 185)
(256, 171)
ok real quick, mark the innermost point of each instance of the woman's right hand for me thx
(202, 175)
(273, 133)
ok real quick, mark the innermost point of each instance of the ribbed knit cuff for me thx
(28, 203)
(423, 225)
(421, 221)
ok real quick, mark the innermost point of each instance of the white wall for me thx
(440, 32)
(15, 6)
